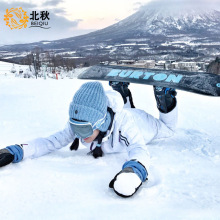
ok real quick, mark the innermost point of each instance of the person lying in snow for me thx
(100, 121)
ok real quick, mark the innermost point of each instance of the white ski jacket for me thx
(132, 130)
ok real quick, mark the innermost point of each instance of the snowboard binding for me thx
(165, 98)
(122, 88)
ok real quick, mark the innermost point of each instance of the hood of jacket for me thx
(115, 101)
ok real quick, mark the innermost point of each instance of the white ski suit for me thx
(132, 130)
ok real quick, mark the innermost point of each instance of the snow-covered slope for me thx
(183, 179)
(6, 67)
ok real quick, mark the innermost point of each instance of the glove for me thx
(128, 181)
(5, 157)
(11, 154)
(165, 98)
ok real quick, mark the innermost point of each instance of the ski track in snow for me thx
(184, 175)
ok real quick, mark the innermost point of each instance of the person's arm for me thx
(134, 171)
(36, 148)
(41, 146)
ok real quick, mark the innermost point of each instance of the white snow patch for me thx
(46, 42)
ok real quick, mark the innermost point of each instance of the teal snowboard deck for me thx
(196, 82)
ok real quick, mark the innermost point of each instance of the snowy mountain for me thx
(162, 20)
(167, 20)
(160, 27)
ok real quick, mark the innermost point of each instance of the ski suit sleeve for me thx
(131, 137)
(41, 146)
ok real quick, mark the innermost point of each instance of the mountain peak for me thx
(169, 17)
(180, 8)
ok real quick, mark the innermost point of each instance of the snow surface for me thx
(184, 176)
(5, 67)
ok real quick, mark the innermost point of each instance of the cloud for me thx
(59, 11)
(15, 4)
(137, 5)
(187, 2)
(56, 15)
(60, 26)
(101, 19)
(181, 4)
(59, 23)
(52, 2)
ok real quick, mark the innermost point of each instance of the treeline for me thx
(39, 58)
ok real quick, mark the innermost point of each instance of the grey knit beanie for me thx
(90, 104)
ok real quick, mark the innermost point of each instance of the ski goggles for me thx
(85, 129)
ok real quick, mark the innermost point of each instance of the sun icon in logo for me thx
(16, 18)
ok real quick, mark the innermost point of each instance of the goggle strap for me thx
(102, 120)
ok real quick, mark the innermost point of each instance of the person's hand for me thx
(5, 157)
(13, 153)
(126, 183)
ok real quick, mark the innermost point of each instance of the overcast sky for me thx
(70, 17)
(67, 18)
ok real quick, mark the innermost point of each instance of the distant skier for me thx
(20, 72)
(13, 70)
(101, 122)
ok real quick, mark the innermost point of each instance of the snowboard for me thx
(196, 82)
